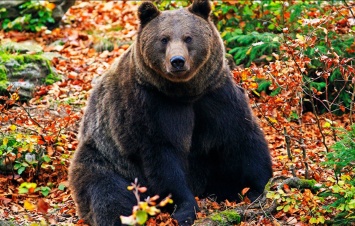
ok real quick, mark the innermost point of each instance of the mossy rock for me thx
(25, 71)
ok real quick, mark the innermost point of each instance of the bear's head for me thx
(177, 44)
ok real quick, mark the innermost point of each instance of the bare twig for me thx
(317, 120)
(347, 5)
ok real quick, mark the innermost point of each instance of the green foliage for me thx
(263, 16)
(250, 28)
(61, 187)
(226, 217)
(169, 5)
(332, 56)
(249, 47)
(27, 188)
(343, 196)
(294, 202)
(18, 152)
(342, 160)
(44, 190)
(34, 16)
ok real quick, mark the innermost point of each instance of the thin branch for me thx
(347, 5)
(318, 122)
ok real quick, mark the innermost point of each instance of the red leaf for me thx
(42, 206)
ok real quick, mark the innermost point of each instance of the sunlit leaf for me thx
(313, 220)
(5, 141)
(61, 187)
(130, 188)
(46, 158)
(28, 205)
(141, 217)
(286, 208)
(12, 127)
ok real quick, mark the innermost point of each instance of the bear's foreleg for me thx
(100, 193)
(165, 174)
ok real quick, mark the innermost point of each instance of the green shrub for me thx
(169, 5)
(342, 160)
(20, 152)
(251, 47)
(343, 155)
(34, 16)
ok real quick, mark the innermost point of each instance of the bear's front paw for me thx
(185, 214)
(188, 222)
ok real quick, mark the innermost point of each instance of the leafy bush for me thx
(330, 70)
(169, 5)
(264, 16)
(34, 15)
(342, 160)
(252, 47)
(303, 203)
(19, 151)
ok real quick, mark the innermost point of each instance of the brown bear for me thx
(169, 114)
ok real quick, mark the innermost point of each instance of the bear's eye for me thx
(164, 40)
(188, 39)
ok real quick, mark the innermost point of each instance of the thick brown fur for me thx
(169, 114)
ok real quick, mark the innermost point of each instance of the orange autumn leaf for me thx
(245, 190)
(49, 5)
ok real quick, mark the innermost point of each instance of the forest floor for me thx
(61, 106)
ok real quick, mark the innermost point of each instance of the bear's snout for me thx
(177, 62)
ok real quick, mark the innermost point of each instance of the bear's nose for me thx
(177, 62)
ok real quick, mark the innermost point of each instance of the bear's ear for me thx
(201, 8)
(147, 12)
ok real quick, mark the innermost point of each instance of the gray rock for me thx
(22, 47)
(11, 7)
(61, 8)
(26, 76)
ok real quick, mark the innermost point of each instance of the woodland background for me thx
(294, 58)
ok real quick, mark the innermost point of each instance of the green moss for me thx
(217, 217)
(232, 216)
(6, 56)
(23, 60)
(226, 217)
(308, 184)
(3, 86)
(51, 78)
(33, 58)
(3, 78)
(3, 73)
